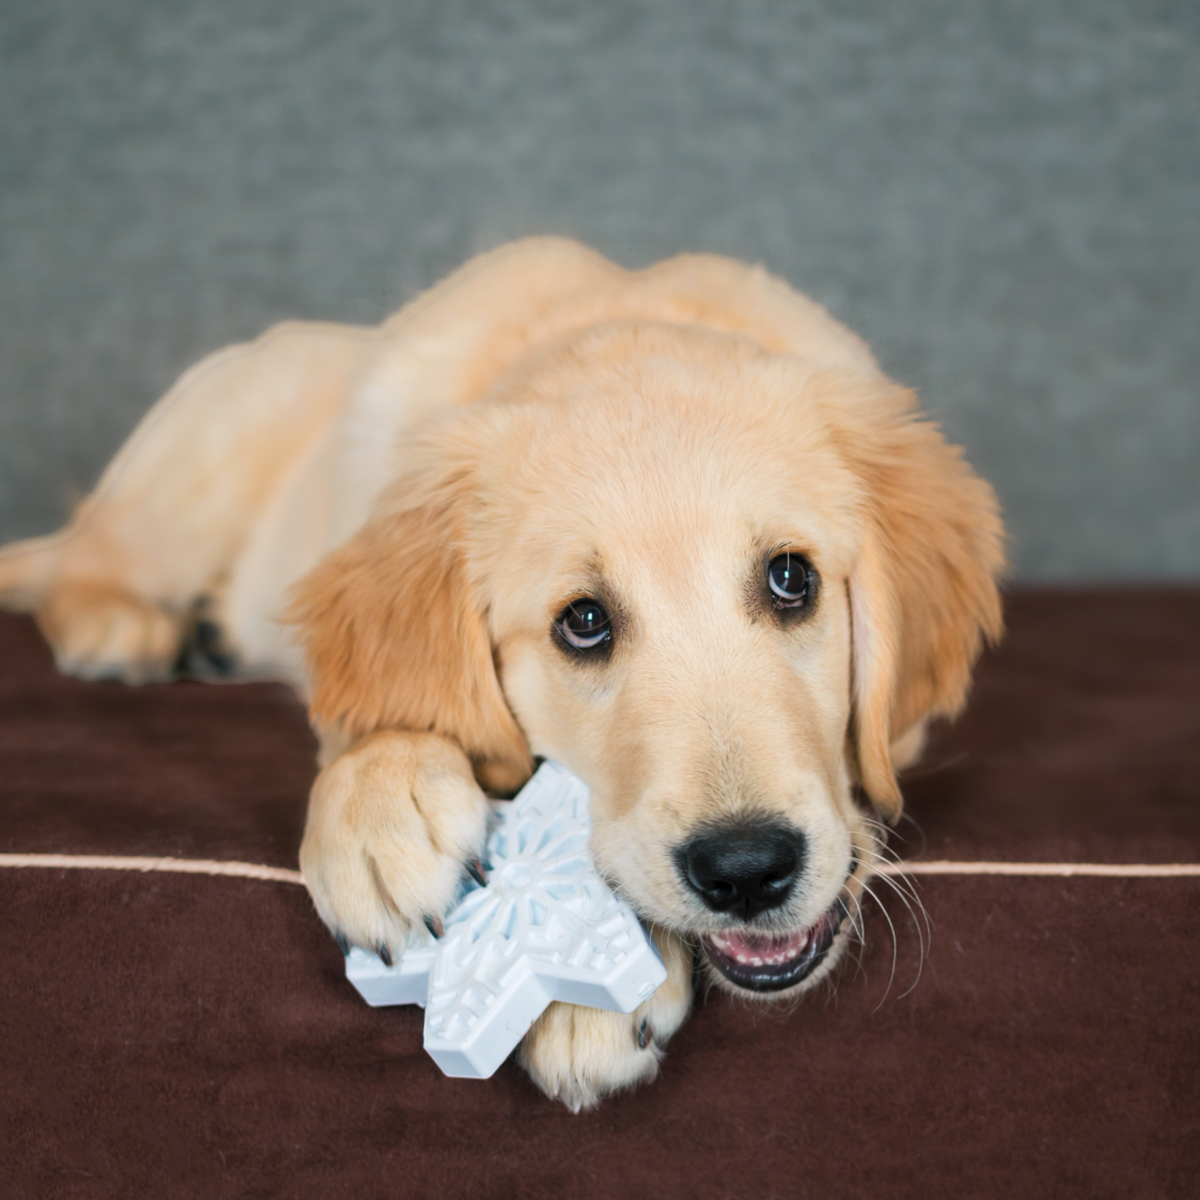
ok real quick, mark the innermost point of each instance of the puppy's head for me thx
(717, 585)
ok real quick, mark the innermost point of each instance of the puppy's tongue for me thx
(761, 949)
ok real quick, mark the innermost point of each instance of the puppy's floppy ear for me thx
(923, 594)
(395, 635)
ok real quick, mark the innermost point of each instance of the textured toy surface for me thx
(546, 927)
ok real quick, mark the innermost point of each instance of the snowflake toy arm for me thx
(546, 927)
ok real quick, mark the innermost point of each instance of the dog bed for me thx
(174, 1019)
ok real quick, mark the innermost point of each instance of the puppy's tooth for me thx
(343, 945)
(385, 953)
(434, 925)
(477, 872)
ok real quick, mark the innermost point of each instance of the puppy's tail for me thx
(27, 570)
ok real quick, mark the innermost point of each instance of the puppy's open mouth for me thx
(763, 962)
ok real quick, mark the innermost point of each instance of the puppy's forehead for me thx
(665, 460)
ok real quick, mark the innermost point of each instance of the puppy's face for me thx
(665, 546)
(715, 584)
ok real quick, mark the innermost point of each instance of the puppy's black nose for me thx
(742, 867)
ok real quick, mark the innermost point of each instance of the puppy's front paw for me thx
(580, 1055)
(391, 825)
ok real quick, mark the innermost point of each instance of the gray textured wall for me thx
(1004, 198)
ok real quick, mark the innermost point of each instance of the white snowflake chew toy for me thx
(546, 927)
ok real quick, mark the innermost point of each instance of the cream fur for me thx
(420, 500)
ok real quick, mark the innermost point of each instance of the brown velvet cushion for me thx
(167, 1035)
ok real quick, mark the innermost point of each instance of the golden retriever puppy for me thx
(672, 528)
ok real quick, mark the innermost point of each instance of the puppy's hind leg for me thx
(102, 632)
(96, 628)
(115, 590)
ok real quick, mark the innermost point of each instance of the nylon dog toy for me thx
(545, 927)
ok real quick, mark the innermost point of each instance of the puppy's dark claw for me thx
(343, 945)
(434, 925)
(476, 871)
(645, 1035)
(385, 953)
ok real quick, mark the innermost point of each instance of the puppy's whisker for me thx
(923, 935)
(883, 833)
(918, 839)
(904, 888)
(891, 977)
(897, 880)
(854, 915)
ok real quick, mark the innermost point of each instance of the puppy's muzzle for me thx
(743, 867)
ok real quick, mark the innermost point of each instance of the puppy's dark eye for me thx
(584, 625)
(790, 579)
